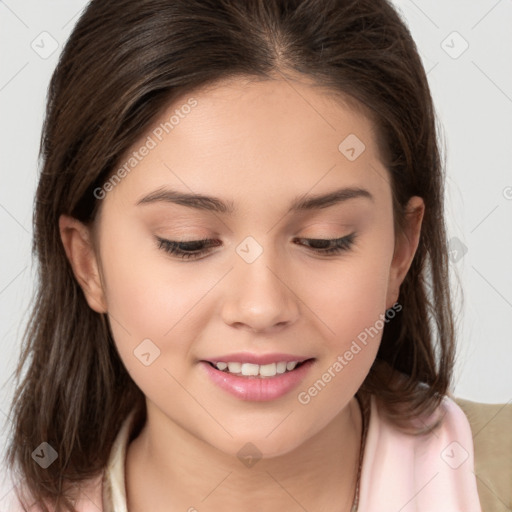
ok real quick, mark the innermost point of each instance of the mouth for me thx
(255, 371)
(248, 383)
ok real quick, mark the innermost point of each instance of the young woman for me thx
(243, 298)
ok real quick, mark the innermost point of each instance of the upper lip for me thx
(260, 359)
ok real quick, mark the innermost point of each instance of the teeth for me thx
(265, 370)
(268, 370)
(281, 367)
(234, 367)
(250, 369)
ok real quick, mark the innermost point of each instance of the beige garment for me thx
(114, 490)
(491, 426)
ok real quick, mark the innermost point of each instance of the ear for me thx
(405, 247)
(78, 244)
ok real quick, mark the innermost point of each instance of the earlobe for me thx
(405, 248)
(78, 244)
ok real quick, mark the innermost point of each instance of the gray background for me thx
(472, 89)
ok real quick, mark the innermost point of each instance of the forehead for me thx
(270, 112)
(258, 139)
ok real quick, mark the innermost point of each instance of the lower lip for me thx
(258, 389)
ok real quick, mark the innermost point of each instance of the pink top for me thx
(400, 472)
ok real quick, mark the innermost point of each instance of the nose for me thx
(259, 296)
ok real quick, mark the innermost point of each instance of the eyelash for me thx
(172, 247)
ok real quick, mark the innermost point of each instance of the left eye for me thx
(196, 248)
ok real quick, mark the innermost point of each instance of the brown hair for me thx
(123, 63)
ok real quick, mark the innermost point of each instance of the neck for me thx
(166, 465)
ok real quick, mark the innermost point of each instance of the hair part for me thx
(124, 62)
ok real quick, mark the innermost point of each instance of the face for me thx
(265, 280)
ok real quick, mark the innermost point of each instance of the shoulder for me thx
(89, 498)
(439, 461)
(104, 491)
(491, 428)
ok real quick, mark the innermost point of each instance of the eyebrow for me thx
(214, 204)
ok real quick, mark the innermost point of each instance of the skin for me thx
(259, 144)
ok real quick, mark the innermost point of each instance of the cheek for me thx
(352, 304)
(148, 297)
(349, 295)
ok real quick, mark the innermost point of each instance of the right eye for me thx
(185, 250)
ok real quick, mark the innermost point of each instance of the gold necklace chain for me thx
(365, 415)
